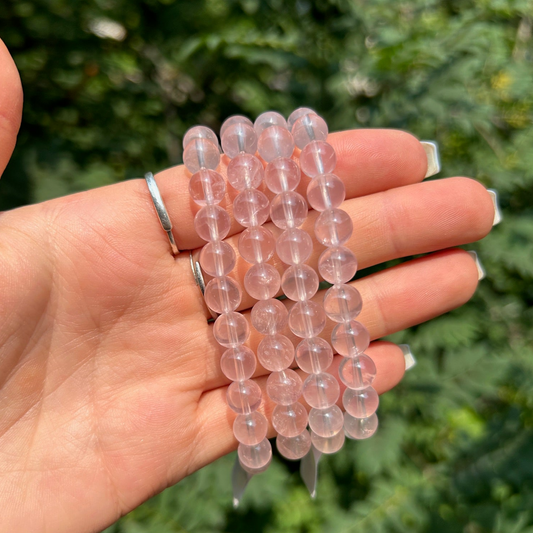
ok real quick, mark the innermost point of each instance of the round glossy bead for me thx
(343, 303)
(207, 187)
(325, 192)
(217, 258)
(314, 356)
(223, 294)
(268, 119)
(201, 153)
(328, 444)
(297, 113)
(360, 428)
(269, 316)
(231, 330)
(357, 372)
(307, 319)
(288, 210)
(294, 448)
(255, 458)
(274, 142)
(256, 244)
(333, 227)
(239, 138)
(238, 364)
(321, 390)
(262, 281)
(250, 429)
(282, 174)
(289, 420)
(245, 171)
(360, 403)
(294, 246)
(326, 422)
(199, 132)
(235, 119)
(350, 339)
(284, 387)
(243, 397)
(318, 157)
(309, 127)
(299, 283)
(250, 208)
(275, 352)
(212, 223)
(337, 265)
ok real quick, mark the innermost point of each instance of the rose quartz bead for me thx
(333, 227)
(325, 192)
(207, 187)
(245, 171)
(212, 223)
(268, 119)
(238, 364)
(275, 142)
(350, 339)
(328, 444)
(337, 265)
(269, 316)
(360, 403)
(262, 281)
(288, 210)
(318, 157)
(294, 448)
(235, 119)
(256, 244)
(244, 397)
(217, 258)
(284, 387)
(201, 153)
(314, 355)
(307, 319)
(199, 132)
(299, 283)
(275, 352)
(357, 372)
(255, 458)
(309, 127)
(326, 422)
(239, 138)
(282, 174)
(360, 428)
(343, 303)
(250, 208)
(223, 295)
(231, 329)
(294, 246)
(250, 429)
(297, 113)
(321, 390)
(289, 420)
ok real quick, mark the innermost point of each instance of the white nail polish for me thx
(480, 269)
(410, 360)
(432, 153)
(497, 212)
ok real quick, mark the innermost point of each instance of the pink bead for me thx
(337, 265)
(288, 210)
(314, 355)
(294, 246)
(275, 352)
(294, 448)
(321, 390)
(282, 174)
(255, 458)
(199, 132)
(238, 364)
(309, 127)
(262, 281)
(360, 428)
(307, 319)
(268, 119)
(289, 420)
(343, 303)
(207, 187)
(297, 113)
(256, 244)
(360, 403)
(245, 171)
(212, 223)
(326, 422)
(250, 429)
(284, 387)
(318, 157)
(299, 283)
(350, 340)
(333, 227)
(325, 192)
(223, 295)
(235, 119)
(201, 153)
(239, 138)
(217, 258)
(269, 316)
(357, 372)
(328, 444)
(231, 329)
(275, 142)
(244, 397)
(250, 208)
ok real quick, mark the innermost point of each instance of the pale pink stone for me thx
(199, 132)
(309, 127)
(360, 403)
(284, 387)
(282, 174)
(238, 364)
(269, 316)
(217, 258)
(289, 420)
(333, 227)
(245, 171)
(268, 119)
(294, 448)
(262, 281)
(326, 422)
(250, 429)
(360, 428)
(343, 303)
(223, 294)
(255, 458)
(350, 340)
(256, 244)
(275, 352)
(212, 223)
(307, 319)
(357, 372)
(251, 208)
(207, 187)
(239, 138)
(235, 119)
(297, 113)
(231, 330)
(244, 397)
(288, 210)
(337, 265)
(318, 157)
(201, 153)
(274, 142)
(314, 355)
(299, 283)
(321, 390)
(328, 444)
(294, 246)
(325, 192)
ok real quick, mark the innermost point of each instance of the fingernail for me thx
(432, 153)
(480, 269)
(410, 360)
(497, 211)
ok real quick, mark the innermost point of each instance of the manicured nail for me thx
(497, 211)
(410, 360)
(432, 153)
(480, 269)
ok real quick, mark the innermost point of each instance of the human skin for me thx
(110, 387)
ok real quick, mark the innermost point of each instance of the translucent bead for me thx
(199, 132)
(289, 420)
(269, 316)
(245, 171)
(223, 294)
(239, 138)
(360, 428)
(343, 303)
(294, 246)
(250, 208)
(294, 448)
(318, 157)
(326, 422)
(256, 244)
(217, 258)
(360, 403)
(309, 127)
(231, 330)
(255, 458)
(350, 340)
(282, 174)
(238, 364)
(250, 429)
(244, 397)
(275, 352)
(297, 113)
(333, 227)
(337, 265)
(284, 387)
(207, 187)
(328, 444)
(201, 153)
(357, 372)
(299, 283)
(321, 390)
(307, 319)
(325, 192)
(275, 142)
(262, 281)
(268, 119)
(235, 119)
(314, 356)
(212, 223)
(288, 210)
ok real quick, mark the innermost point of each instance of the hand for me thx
(110, 387)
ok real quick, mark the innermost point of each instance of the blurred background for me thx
(112, 85)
